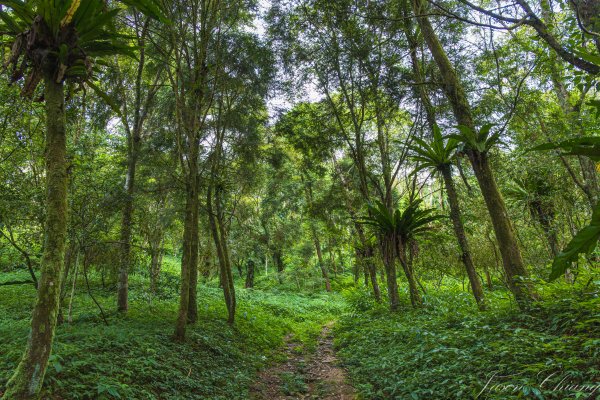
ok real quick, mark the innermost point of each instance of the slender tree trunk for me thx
(511, 255)
(413, 290)
(249, 274)
(322, 266)
(189, 258)
(231, 300)
(389, 263)
(155, 262)
(126, 226)
(28, 378)
(192, 311)
(134, 139)
(369, 252)
(73, 286)
(459, 231)
(218, 238)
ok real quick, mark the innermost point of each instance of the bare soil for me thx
(305, 376)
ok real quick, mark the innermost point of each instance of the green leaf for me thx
(583, 242)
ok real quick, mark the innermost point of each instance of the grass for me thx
(449, 350)
(135, 358)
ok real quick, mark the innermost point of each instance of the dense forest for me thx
(300, 199)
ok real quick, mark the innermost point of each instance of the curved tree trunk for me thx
(512, 262)
(511, 255)
(459, 231)
(27, 380)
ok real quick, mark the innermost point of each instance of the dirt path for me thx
(305, 376)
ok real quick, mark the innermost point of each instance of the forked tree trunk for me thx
(28, 378)
(459, 231)
(509, 249)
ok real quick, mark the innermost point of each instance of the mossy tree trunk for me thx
(461, 236)
(512, 261)
(27, 380)
(511, 255)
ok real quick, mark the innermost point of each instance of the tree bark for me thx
(249, 274)
(189, 258)
(459, 231)
(415, 297)
(322, 266)
(28, 378)
(126, 225)
(218, 238)
(509, 250)
(511, 255)
(389, 263)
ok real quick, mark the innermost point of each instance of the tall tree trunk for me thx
(413, 290)
(134, 137)
(189, 258)
(126, 224)
(368, 255)
(230, 300)
(192, 311)
(218, 238)
(28, 378)
(459, 231)
(322, 266)
(154, 268)
(250, 274)
(389, 263)
(505, 235)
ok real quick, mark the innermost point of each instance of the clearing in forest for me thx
(305, 375)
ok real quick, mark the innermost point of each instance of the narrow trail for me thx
(305, 376)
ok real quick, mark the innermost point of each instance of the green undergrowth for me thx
(448, 350)
(134, 357)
